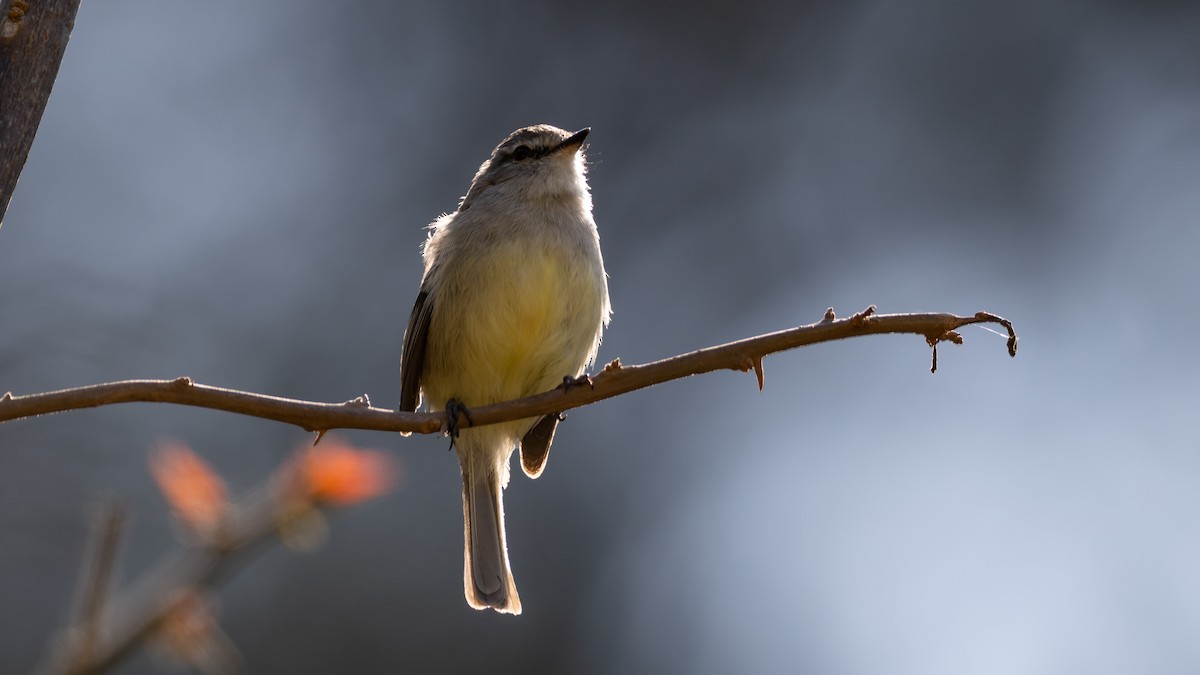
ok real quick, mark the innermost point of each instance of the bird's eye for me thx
(521, 152)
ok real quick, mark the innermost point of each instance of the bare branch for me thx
(616, 379)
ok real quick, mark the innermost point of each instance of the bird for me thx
(513, 301)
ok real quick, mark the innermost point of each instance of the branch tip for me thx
(994, 318)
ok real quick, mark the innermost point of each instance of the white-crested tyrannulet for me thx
(514, 299)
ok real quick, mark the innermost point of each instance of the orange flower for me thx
(340, 474)
(192, 488)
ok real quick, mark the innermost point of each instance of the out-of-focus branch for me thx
(616, 379)
(96, 576)
(135, 614)
(169, 602)
(33, 37)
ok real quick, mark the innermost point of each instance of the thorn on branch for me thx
(320, 435)
(362, 401)
(947, 336)
(861, 318)
(753, 362)
(830, 316)
(6, 397)
(615, 364)
(183, 382)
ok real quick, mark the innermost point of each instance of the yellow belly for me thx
(510, 324)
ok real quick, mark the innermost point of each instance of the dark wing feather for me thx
(412, 360)
(535, 447)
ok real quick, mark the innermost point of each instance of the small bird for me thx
(513, 302)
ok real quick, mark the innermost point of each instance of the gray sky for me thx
(237, 191)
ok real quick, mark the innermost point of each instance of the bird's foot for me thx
(569, 382)
(454, 408)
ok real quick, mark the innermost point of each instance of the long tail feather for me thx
(487, 578)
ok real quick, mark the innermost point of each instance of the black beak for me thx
(575, 140)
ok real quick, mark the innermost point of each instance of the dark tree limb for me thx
(33, 37)
(616, 379)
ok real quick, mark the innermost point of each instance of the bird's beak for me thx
(574, 141)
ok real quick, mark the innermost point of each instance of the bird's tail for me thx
(487, 578)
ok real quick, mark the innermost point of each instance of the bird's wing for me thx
(535, 447)
(412, 360)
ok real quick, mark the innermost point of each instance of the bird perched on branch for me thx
(513, 302)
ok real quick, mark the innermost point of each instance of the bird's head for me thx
(534, 162)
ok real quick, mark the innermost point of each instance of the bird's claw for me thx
(569, 382)
(454, 408)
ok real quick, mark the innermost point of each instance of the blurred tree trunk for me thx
(33, 37)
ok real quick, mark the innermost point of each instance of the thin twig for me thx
(95, 577)
(744, 355)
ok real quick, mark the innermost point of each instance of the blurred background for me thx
(237, 192)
